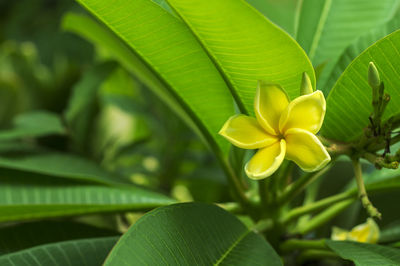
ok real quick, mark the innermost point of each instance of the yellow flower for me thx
(281, 129)
(367, 233)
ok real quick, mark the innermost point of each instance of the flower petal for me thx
(339, 234)
(367, 232)
(244, 132)
(305, 112)
(266, 161)
(271, 100)
(305, 149)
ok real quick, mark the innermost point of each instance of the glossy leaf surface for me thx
(191, 234)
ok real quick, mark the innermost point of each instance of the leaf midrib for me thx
(320, 28)
(215, 61)
(202, 128)
(232, 247)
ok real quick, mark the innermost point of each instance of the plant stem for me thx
(362, 193)
(298, 186)
(324, 217)
(309, 197)
(300, 244)
(238, 190)
(296, 212)
(263, 225)
(263, 185)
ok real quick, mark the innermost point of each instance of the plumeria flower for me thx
(367, 233)
(281, 129)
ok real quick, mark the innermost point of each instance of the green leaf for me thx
(83, 102)
(174, 58)
(26, 235)
(390, 233)
(25, 196)
(33, 124)
(365, 254)
(326, 27)
(357, 47)
(107, 42)
(349, 102)
(245, 47)
(191, 234)
(280, 12)
(25, 158)
(89, 252)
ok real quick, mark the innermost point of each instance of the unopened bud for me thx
(373, 76)
(306, 86)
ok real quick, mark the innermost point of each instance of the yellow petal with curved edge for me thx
(339, 234)
(266, 161)
(270, 101)
(367, 232)
(306, 112)
(305, 149)
(245, 132)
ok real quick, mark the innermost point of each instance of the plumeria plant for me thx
(209, 132)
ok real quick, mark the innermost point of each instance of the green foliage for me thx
(91, 252)
(26, 196)
(325, 28)
(359, 46)
(349, 102)
(26, 235)
(34, 124)
(365, 254)
(243, 46)
(191, 234)
(179, 63)
(89, 135)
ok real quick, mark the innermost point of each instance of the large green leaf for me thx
(357, 48)
(34, 124)
(89, 252)
(365, 254)
(326, 27)
(245, 47)
(18, 156)
(110, 46)
(349, 102)
(170, 53)
(280, 12)
(26, 196)
(26, 235)
(191, 234)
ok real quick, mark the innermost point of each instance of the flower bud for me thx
(306, 86)
(373, 76)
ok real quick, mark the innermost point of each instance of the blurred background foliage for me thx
(58, 92)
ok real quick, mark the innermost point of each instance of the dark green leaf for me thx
(41, 161)
(365, 254)
(25, 196)
(89, 252)
(26, 235)
(191, 234)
